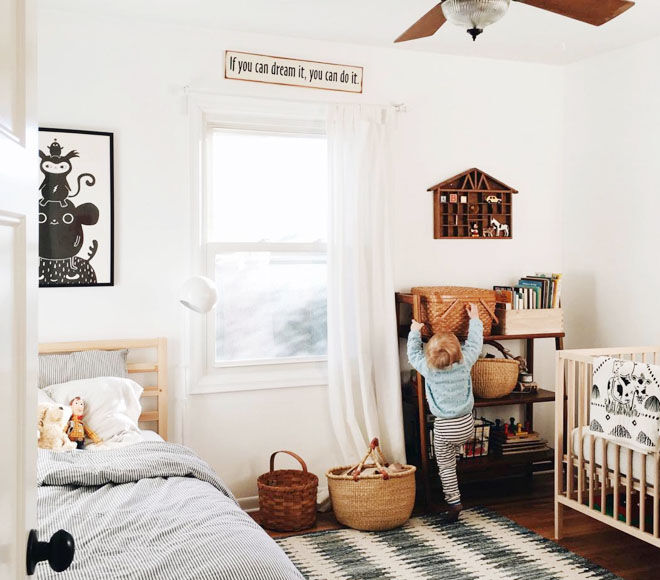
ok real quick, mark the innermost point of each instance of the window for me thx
(266, 238)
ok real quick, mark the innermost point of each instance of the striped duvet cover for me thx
(151, 510)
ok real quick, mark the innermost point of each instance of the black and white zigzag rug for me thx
(481, 545)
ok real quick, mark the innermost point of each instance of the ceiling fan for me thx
(477, 14)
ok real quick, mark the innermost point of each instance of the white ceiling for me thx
(526, 33)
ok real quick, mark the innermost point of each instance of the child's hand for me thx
(472, 310)
(416, 326)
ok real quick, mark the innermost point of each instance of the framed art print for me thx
(76, 213)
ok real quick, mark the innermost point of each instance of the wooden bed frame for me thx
(579, 482)
(146, 358)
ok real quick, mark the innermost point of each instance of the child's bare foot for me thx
(453, 512)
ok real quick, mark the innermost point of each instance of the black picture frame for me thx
(86, 224)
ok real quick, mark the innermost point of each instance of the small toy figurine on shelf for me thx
(489, 232)
(526, 383)
(77, 430)
(474, 230)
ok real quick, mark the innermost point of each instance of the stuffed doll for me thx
(52, 424)
(77, 430)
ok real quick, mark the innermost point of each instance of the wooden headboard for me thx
(147, 358)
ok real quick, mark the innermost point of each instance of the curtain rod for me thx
(188, 90)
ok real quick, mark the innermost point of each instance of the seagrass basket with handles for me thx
(382, 501)
(494, 378)
(443, 308)
(287, 497)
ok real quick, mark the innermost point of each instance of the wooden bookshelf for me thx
(541, 396)
(491, 466)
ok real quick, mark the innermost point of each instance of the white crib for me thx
(589, 468)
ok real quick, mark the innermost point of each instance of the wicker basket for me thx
(287, 497)
(443, 308)
(493, 378)
(372, 502)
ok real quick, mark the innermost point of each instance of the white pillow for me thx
(112, 404)
(44, 399)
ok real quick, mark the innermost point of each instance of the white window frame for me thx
(209, 113)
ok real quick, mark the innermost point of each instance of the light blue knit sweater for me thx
(449, 391)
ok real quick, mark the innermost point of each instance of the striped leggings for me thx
(448, 434)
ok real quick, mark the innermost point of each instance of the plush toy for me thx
(52, 424)
(77, 430)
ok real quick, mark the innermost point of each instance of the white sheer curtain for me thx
(363, 355)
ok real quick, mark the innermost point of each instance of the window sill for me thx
(261, 377)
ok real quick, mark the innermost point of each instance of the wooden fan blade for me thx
(427, 25)
(596, 12)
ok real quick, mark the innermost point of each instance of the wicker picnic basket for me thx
(287, 497)
(382, 501)
(443, 308)
(493, 378)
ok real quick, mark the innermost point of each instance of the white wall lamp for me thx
(199, 294)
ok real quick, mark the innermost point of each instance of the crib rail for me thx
(594, 487)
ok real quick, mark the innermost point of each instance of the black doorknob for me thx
(59, 551)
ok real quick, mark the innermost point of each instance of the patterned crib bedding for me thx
(153, 510)
(623, 456)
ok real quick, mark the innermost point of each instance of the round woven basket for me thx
(493, 378)
(287, 497)
(372, 502)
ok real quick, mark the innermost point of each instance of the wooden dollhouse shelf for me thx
(472, 205)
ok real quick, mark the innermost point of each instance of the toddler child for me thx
(446, 370)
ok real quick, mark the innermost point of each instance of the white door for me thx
(18, 283)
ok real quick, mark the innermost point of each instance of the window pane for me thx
(271, 305)
(268, 187)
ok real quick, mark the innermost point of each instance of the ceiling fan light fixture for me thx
(474, 15)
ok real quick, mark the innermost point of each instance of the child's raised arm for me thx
(475, 339)
(415, 348)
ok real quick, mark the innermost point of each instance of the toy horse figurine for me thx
(499, 228)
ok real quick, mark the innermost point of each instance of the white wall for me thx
(127, 77)
(611, 198)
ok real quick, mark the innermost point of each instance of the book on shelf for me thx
(540, 291)
(516, 451)
(516, 439)
(506, 444)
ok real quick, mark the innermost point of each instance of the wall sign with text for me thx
(277, 70)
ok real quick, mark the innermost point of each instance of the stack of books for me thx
(506, 444)
(542, 290)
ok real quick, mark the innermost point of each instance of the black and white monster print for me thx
(625, 402)
(56, 168)
(626, 393)
(61, 234)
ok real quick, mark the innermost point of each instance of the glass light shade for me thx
(474, 13)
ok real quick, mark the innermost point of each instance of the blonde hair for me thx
(443, 350)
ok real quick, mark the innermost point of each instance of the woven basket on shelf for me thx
(443, 308)
(287, 497)
(372, 502)
(493, 378)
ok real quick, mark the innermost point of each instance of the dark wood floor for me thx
(532, 506)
